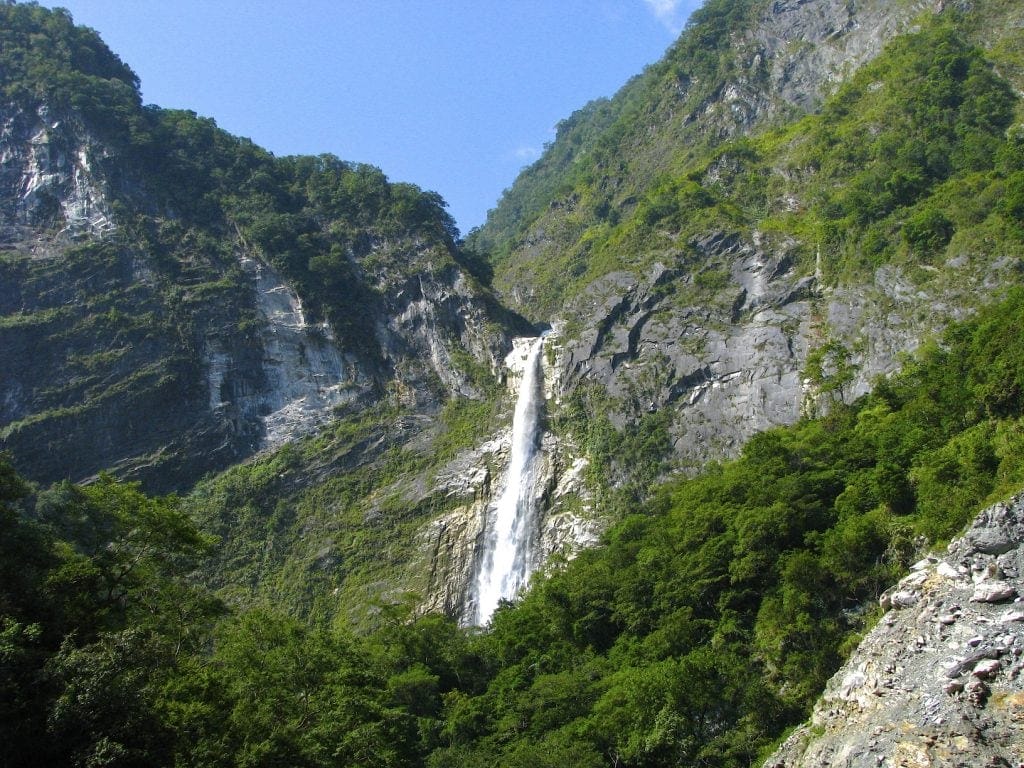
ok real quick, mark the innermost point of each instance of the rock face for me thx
(796, 52)
(48, 179)
(302, 376)
(163, 349)
(940, 680)
(734, 365)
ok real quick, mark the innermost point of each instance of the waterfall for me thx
(503, 565)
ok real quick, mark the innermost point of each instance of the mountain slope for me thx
(176, 298)
(167, 284)
(710, 260)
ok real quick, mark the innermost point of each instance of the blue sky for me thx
(453, 95)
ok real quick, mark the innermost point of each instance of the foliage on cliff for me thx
(717, 607)
(99, 341)
(910, 155)
(706, 624)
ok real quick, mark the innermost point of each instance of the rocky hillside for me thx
(750, 232)
(802, 195)
(769, 217)
(940, 679)
(174, 298)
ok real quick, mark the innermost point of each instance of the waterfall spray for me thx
(503, 565)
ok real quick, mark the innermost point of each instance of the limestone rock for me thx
(50, 180)
(992, 592)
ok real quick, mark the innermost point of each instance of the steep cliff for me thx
(450, 547)
(939, 680)
(174, 299)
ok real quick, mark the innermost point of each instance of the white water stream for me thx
(503, 567)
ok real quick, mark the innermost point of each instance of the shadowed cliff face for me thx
(164, 348)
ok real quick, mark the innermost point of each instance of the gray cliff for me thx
(137, 341)
(940, 680)
(734, 365)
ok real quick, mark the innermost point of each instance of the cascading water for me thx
(503, 566)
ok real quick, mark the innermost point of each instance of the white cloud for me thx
(527, 153)
(668, 12)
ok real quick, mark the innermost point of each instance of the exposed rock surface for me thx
(940, 680)
(48, 180)
(164, 365)
(734, 365)
(303, 374)
(794, 55)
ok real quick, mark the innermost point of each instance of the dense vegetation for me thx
(719, 604)
(706, 624)
(909, 157)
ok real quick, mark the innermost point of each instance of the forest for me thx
(705, 625)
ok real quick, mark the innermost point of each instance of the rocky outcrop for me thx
(49, 181)
(432, 320)
(940, 680)
(302, 374)
(793, 55)
(731, 361)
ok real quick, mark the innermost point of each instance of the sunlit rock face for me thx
(940, 680)
(733, 362)
(302, 374)
(48, 178)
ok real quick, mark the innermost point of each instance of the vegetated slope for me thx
(738, 67)
(174, 298)
(703, 628)
(328, 526)
(718, 269)
(715, 612)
